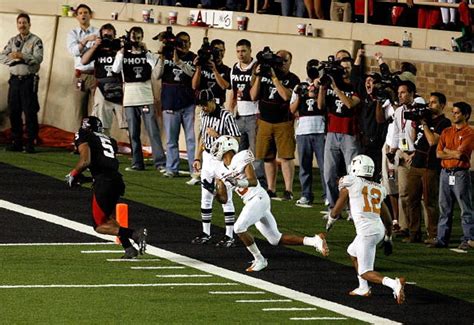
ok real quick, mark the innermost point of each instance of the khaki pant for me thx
(341, 11)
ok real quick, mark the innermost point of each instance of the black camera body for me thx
(267, 60)
(207, 53)
(387, 87)
(109, 42)
(418, 112)
(312, 69)
(170, 42)
(302, 89)
(331, 68)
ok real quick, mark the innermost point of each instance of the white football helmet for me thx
(224, 144)
(362, 165)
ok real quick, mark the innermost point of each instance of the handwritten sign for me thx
(215, 18)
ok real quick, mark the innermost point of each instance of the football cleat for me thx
(331, 221)
(361, 292)
(202, 239)
(257, 265)
(130, 253)
(139, 237)
(321, 244)
(399, 292)
(226, 242)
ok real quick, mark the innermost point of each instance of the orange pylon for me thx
(121, 214)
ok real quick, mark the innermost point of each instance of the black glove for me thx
(387, 245)
(209, 186)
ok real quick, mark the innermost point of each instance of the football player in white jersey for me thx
(372, 222)
(236, 171)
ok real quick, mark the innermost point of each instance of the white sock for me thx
(309, 241)
(253, 249)
(388, 282)
(206, 227)
(363, 284)
(229, 231)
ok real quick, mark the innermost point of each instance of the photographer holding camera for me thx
(339, 98)
(136, 63)
(423, 176)
(272, 86)
(175, 69)
(109, 93)
(310, 132)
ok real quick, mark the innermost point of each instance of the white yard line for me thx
(263, 300)
(115, 285)
(237, 292)
(318, 318)
(208, 268)
(156, 267)
(136, 260)
(104, 251)
(289, 309)
(57, 244)
(184, 275)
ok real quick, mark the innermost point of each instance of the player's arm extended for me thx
(386, 219)
(221, 191)
(341, 202)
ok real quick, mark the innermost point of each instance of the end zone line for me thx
(289, 309)
(208, 268)
(57, 244)
(115, 285)
(104, 251)
(156, 267)
(263, 300)
(184, 276)
(237, 292)
(318, 318)
(134, 260)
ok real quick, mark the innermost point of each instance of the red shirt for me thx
(457, 139)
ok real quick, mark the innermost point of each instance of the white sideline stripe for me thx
(104, 251)
(263, 300)
(57, 244)
(208, 268)
(318, 318)
(288, 309)
(184, 276)
(237, 292)
(115, 285)
(136, 260)
(156, 267)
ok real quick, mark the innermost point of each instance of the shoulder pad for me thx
(347, 181)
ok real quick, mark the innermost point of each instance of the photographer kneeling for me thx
(272, 85)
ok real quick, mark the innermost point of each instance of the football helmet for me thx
(362, 165)
(92, 123)
(224, 144)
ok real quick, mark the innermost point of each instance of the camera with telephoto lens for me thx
(207, 53)
(330, 68)
(108, 42)
(170, 42)
(387, 86)
(302, 89)
(418, 112)
(267, 60)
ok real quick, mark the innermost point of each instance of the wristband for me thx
(74, 173)
(242, 183)
(197, 159)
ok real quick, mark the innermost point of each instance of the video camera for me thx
(418, 112)
(387, 86)
(170, 42)
(302, 89)
(267, 60)
(207, 53)
(330, 68)
(108, 42)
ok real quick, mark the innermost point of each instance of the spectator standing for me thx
(215, 122)
(108, 96)
(310, 133)
(79, 40)
(135, 63)
(314, 8)
(288, 7)
(423, 176)
(454, 149)
(23, 54)
(275, 133)
(176, 70)
(244, 108)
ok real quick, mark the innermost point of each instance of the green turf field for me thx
(436, 269)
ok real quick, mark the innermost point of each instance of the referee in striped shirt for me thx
(215, 121)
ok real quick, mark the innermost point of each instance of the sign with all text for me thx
(214, 18)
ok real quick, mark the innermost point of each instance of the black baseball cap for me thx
(204, 97)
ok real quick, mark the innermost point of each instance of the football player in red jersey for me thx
(97, 153)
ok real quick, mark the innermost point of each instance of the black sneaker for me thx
(139, 237)
(202, 239)
(130, 253)
(29, 148)
(272, 194)
(287, 196)
(226, 242)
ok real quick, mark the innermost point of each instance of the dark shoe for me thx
(287, 196)
(30, 148)
(430, 241)
(436, 244)
(271, 194)
(226, 242)
(464, 246)
(412, 239)
(202, 239)
(402, 233)
(130, 253)
(134, 169)
(14, 148)
(139, 237)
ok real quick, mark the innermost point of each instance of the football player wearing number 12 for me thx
(97, 153)
(236, 170)
(373, 223)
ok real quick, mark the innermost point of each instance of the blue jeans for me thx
(310, 145)
(172, 121)
(134, 115)
(461, 191)
(287, 8)
(339, 149)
